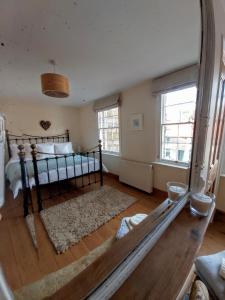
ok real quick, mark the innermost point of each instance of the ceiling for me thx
(102, 46)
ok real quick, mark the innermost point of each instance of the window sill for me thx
(167, 164)
(111, 154)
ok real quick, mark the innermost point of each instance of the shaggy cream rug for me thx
(52, 282)
(67, 223)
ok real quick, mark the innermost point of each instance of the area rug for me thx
(52, 282)
(67, 223)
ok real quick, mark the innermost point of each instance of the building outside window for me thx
(108, 128)
(177, 123)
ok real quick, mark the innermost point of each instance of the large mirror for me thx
(124, 72)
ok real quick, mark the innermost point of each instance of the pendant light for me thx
(53, 84)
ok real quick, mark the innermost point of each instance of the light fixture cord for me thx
(53, 63)
(54, 67)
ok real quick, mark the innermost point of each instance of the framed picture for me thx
(136, 122)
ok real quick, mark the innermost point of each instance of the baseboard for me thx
(108, 174)
(160, 193)
(155, 191)
(219, 215)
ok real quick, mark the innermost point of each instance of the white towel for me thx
(124, 228)
(128, 223)
(137, 219)
(222, 269)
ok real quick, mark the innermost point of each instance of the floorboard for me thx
(23, 264)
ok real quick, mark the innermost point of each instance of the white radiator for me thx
(136, 174)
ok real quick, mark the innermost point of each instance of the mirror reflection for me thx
(97, 107)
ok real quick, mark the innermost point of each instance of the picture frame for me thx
(136, 122)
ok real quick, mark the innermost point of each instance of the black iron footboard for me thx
(86, 166)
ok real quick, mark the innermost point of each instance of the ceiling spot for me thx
(75, 3)
(2, 44)
(83, 100)
(44, 28)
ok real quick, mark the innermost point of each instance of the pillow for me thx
(27, 149)
(14, 151)
(63, 148)
(46, 148)
(208, 268)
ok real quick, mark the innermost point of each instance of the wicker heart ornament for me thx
(45, 124)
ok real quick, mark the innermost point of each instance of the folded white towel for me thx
(124, 228)
(137, 219)
(222, 269)
(128, 223)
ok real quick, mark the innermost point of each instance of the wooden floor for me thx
(23, 264)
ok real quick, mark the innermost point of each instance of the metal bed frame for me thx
(95, 152)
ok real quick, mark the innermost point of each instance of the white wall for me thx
(25, 118)
(138, 146)
(164, 173)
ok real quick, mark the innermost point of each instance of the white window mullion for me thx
(108, 125)
(177, 118)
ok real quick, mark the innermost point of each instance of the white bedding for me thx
(16, 185)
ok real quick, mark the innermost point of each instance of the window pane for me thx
(178, 112)
(181, 96)
(176, 152)
(108, 118)
(108, 124)
(169, 152)
(185, 130)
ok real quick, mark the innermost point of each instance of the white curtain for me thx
(176, 80)
(107, 102)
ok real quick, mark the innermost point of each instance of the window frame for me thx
(161, 124)
(108, 152)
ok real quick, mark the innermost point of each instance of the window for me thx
(177, 122)
(108, 127)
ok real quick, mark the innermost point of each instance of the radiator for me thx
(136, 174)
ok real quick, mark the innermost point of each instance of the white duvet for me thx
(13, 173)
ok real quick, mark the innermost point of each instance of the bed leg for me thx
(38, 192)
(23, 178)
(100, 162)
(25, 203)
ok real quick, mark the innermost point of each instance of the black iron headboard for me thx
(35, 139)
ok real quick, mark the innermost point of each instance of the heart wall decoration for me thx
(45, 124)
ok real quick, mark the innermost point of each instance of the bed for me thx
(34, 163)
